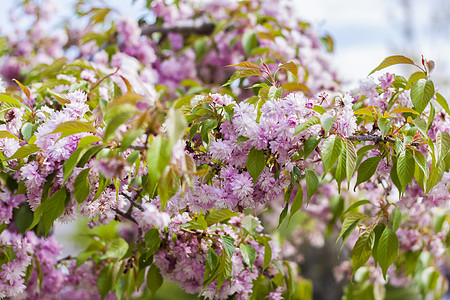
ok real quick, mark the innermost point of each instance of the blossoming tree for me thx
(212, 141)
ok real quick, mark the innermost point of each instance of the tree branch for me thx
(371, 138)
(375, 138)
(203, 29)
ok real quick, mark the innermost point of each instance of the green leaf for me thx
(312, 183)
(117, 249)
(421, 93)
(341, 172)
(378, 230)
(82, 187)
(247, 65)
(350, 160)
(249, 42)
(362, 250)
(70, 164)
(23, 218)
(396, 219)
(394, 175)
(331, 148)
(290, 67)
(355, 205)
(256, 161)
(310, 122)
(405, 167)
(9, 135)
(421, 162)
(24, 151)
(104, 280)
(248, 254)
(298, 201)
(310, 145)
(81, 63)
(421, 125)
(384, 125)
(228, 244)
(242, 73)
(154, 279)
(158, 157)
(387, 250)
(53, 208)
(27, 131)
(416, 76)
(267, 254)
(73, 127)
(250, 224)
(393, 60)
(402, 109)
(206, 129)
(8, 99)
(367, 169)
(114, 123)
(442, 102)
(219, 215)
(442, 145)
(350, 222)
(152, 241)
(176, 125)
(274, 93)
(61, 98)
(283, 214)
(327, 121)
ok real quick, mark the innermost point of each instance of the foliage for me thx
(203, 143)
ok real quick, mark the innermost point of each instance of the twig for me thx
(125, 215)
(376, 139)
(203, 29)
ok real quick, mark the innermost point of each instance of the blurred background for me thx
(364, 32)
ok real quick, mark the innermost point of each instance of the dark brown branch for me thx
(375, 138)
(371, 138)
(203, 29)
(133, 203)
(125, 215)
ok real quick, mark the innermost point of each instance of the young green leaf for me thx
(82, 186)
(367, 169)
(350, 160)
(421, 93)
(331, 148)
(312, 183)
(152, 240)
(290, 67)
(298, 201)
(24, 151)
(256, 161)
(327, 121)
(104, 280)
(405, 167)
(219, 215)
(117, 249)
(248, 254)
(378, 230)
(154, 279)
(393, 60)
(73, 127)
(355, 205)
(387, 250)
(362, 250)
(442, 102)
(242, 73)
